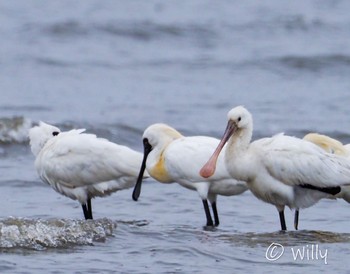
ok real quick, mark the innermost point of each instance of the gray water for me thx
(115, 67)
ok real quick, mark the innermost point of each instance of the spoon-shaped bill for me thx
(209, 168)
(137, 189)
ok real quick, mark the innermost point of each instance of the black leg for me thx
(282, 220)
(216, 215)
(207, 213)
(90, 208)
(86, 211)
(296, 219)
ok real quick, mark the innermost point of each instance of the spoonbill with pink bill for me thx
(82, 166)
(281, 170)
(171, 157)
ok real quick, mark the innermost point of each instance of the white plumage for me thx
(281, 170)
(82, 166)
(329, 145)
(335, 147)
(171, 157)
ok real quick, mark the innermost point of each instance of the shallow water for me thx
(115, 67)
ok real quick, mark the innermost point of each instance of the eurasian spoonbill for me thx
(334, 146)
(281, 170)
(171, 157)
(82, 166)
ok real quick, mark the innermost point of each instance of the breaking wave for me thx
(39, 234)
(14, 130)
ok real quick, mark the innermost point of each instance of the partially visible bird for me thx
(334, 146)
(171, 157)
(82, 166)
(281, 170)
(328, 144)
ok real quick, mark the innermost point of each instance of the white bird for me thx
(170, 157)
(328, 144)
(334, 146)
(281, 170)
(82, 166)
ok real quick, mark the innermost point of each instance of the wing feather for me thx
(298, 162)
(76, 160)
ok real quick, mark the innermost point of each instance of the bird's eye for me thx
(55, 133)
(239, 118)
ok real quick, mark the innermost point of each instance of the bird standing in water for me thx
(171, 157)
(82, 166)
(281, 170)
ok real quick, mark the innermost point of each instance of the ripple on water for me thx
(288, 238)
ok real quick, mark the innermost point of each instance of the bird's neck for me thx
(240, 141)
(236, 153)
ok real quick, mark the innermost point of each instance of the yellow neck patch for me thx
(159, 171)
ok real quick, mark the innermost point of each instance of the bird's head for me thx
(39, 135)
(239, 120)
